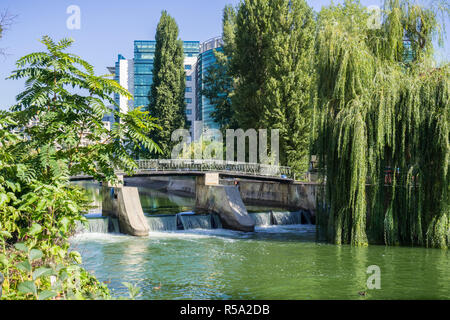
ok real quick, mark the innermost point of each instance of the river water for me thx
(274, 262)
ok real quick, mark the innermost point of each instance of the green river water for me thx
(275, 262)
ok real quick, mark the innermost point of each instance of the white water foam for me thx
(198, 234)
(106, 237)
(293, 228)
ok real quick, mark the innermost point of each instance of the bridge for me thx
(189, 167)
(256, 184)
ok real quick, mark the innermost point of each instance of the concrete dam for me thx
(219, 203)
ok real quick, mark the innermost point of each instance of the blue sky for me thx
(108, 27)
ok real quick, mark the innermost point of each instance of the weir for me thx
(281, 218)
(183, 222)
(171, 223)
(196, 221)
(285, 218)
(162, 223)
(225, 201)
(99, 225)
(262, 218)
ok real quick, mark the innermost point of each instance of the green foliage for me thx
(169, 83)
(218, 82)
(218, 88)
(39, 208)
(375, 109)
(268, 51)
(68, 103)
(41, 275)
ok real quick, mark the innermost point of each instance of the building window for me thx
(188, 89)
(188, 78)
(188, 100)
(187, 67)
(188, 111)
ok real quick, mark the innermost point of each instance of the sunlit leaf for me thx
(27, 287)
(24, 266)
(45, 295)
(41, 272)
(35, 254)
(21, 246)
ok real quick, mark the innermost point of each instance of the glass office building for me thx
(116, 71)
(136, 75)
(144, 55)
(204, 108)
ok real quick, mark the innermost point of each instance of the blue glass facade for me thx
(198, 58)
(204, 106)
(144, 54)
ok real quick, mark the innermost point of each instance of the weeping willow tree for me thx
(382, 124)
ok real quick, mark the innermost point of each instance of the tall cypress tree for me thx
(218, 82)
(272, 65)
(168, 89)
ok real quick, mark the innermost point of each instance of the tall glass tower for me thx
(144, 55)
(136, 75)
(204, 108)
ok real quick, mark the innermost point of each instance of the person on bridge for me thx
(236, 183)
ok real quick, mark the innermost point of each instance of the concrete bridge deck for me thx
(222, 174)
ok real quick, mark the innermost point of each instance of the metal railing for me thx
(254, 169)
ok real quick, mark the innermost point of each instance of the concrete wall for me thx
(294, 196)
(124, 204)
(131, 217)
(185, 187)
(225, 201)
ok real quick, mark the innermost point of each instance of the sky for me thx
(108, 27)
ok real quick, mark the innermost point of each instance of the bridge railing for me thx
(255, 169)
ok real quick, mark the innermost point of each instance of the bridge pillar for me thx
(131, 217)
(124, 204)
(208, 179)
(225, 201)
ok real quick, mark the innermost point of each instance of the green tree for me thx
(270, 47)
(169, 83)
(218, 82)
(68, 127)
(382, 104)
(53, 132)
(288, 86)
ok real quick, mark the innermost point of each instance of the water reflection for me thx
(275, 262)
(230, 265)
